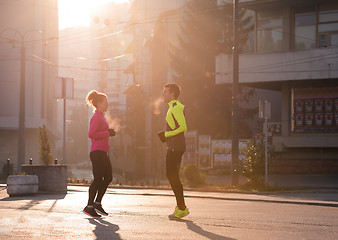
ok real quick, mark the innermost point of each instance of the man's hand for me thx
(111, 132)
(161, 136)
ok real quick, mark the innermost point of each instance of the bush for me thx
(45, 150)
(193, 176)
(254, 163)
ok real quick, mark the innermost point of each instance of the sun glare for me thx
(74, 13)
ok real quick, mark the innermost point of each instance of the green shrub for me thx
(193, 175)
(254, 163)
(45, 149)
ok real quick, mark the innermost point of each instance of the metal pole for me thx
(266, 150)
(22, 108)
(8, 170)
(64, 118)
(234, 119)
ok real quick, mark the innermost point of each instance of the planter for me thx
(20, 185)
(52, 178)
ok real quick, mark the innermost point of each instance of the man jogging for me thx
(174, 137)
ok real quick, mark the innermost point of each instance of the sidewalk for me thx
(316, 197)
(324, 197)
(286, 180)
(281, 180)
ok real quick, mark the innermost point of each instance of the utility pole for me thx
(22, 109)
(234, 116)
(265, 113)
(64, 155)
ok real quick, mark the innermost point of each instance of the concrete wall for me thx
(52, 178)
(284, 66)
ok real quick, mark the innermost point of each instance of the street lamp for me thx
(21, 143)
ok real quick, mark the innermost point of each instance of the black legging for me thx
(173, 163)
(102, 172)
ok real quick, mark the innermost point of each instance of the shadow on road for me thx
(197, 229)
(35, 199)
(104, 229)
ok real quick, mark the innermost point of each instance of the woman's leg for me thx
(97, 159)
(107, 178)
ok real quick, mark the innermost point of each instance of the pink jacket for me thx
(98, 132)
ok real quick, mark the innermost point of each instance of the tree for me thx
(206, 30)
(45, 149)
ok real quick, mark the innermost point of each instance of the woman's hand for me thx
(111, 132)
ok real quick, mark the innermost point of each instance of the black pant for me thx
(173, 163)
(103, 175)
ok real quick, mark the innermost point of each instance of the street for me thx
(138, 214)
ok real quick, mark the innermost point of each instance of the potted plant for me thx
(45, 150)
(22, 184)
(52, 178)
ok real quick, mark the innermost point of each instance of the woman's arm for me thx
(94, 131)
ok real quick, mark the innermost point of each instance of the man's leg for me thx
(173, 163)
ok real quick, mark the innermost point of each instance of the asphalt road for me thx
(144, 216)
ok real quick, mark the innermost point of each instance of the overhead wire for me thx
(261, 66)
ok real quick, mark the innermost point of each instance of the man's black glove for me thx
(161, 136)
(111, 132)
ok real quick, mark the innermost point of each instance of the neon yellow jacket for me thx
(175, 126)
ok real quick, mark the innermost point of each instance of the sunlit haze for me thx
(74, 13)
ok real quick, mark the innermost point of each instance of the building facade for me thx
(28, 44)
(295, 52)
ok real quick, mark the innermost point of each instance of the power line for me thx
(144, 21)
(47, 5)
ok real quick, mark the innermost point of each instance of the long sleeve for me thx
(95, 131)
(176, 121)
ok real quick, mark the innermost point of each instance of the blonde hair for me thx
(94, 97)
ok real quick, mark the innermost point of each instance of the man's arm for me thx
(178, 115)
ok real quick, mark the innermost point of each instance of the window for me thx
(306, 23)
(305, 29)
(250, 43)
(328, 26)
(269, 31)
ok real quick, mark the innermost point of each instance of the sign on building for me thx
(190, 154)
(204, 151)
(221, 152)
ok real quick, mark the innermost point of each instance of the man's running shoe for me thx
(90, 211)
(178, 213)
(98, 207)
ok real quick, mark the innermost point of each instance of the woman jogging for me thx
(99, 134)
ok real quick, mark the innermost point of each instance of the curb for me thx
(297, 202)
(248, 199)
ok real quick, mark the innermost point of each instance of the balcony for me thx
(283, 66)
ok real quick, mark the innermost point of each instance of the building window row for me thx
(315, 27)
